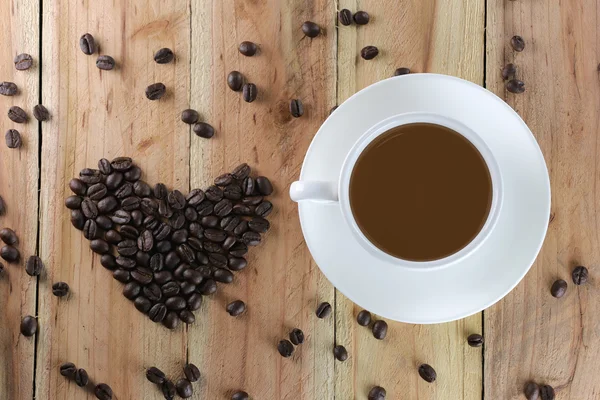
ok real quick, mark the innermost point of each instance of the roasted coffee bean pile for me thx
(81, 378)
(183, 388)
(169, 249)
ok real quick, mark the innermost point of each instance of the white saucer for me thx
(468, 286)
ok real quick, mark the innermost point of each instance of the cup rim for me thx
(421, 117)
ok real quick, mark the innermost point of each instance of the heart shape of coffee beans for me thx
(169, 249)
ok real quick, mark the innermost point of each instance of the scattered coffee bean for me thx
(155, 375)
(105, 63)
(103, 392)
(361, 18)
(155, 91)
(23, 61)
(68, 369)
(168, 389)
(547, 392)
(41, 113)
(380, 329)
(369, 52)
(235, 81)
(34, 266)
(204, 130)
(475, 340)
(340, 353)
(311, 29)
(8, 89)
(296, 108)
(531, 391)
(517, 43)
(17, 114)
(29, 326)
(377, 393)
(191, 372)
(81, 377)
(249, 92)
(13, 139)
(164, 56)
(509, 71)
(363, 318)
(10, 254)
(241, 395)
(285, 348)
(296, 336)
(8, 236)
(559, 288)
(580, 275)
(189, 116)
(345, 17)
(184, 388)
(236, 308)
(427, 372)
(248, 48)
(402, 71)
(324, 310)
(515, 86)
(87, 44)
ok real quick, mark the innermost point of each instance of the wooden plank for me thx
(281, 285)
(426, 36)
(531, 335)
(19, 189)
(106, 114)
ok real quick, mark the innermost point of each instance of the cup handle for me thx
(314, 190)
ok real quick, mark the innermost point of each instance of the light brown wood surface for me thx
(529, 334)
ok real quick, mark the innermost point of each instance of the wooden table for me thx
(529, 334)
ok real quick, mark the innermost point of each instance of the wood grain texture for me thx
(106, 114)
(426, 36)
(19, 189)
(531, 335)
(282, 286)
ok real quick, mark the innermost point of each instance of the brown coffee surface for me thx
(420, 192)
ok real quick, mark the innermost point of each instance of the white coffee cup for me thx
(337, 193)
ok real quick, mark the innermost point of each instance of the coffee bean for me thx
(229, 242)
(214, 193)
(132, 290)
(184, 388)
(340, 353)
(172, 260)
(190, 116)
(90, 229)
(195, 197)
(377, 393)
(73, 202)
(369, 52)
(184, 251)
(402, 71)
(164, 56)
(78, 187)
(137, 218)
(475, 340)
(296, 336)
(176, 200)
(187, 317)
(160, 191)
(10, 254)
(149, 206)
(232, 192)
(361, 18)
(345, 17)
(104, 222)
(235, 80)
(324, 310)
(248, 48)
(142, 275)
(113, 237)
(121, 163)
(515, 86)
(239, 249)
(380, 329)
(129, 232)
(191, 372)
(87, 44)
(204, 130)
(105, 62)
(157, 312)
(223, 275)
(8, 89)
(175, 303)
(89, 208)
(17, 114)
(68, 369)
(104, 166)
(8, 236)
(363, 318)
(547, 392)
(249, 92)
(23, 61)
(127, 247)
(130, 203)
(251, 238)
(195, 243)
(77, 219)
(114, 180)
(120, 217)
(190, 214)
(41, 113)
(201, 258)
(142, 304)
(194, 302)
(103, 392)
(192, 276)
(108, 261)
(168, 389)
(99, 246)
(142, 258)
(285, 348)
(207, 287)
(296, 108)
(146, 241)
(157, 262)
(133, 174)
(215, 235)
(427, 372)
(241, 395)
(155, 91)
(237, 264)
(163, 246)
(264, 209)
(155, 375)
(264, 185)
(559, 288)
(126, 262)
(122, 275)
(29, 326)
(152, 292)
(81, 377)
(252, 200)
(229, 223)
(531, 391)
(170, 289)
(236, 308)
(258, 224)
(211, 247)
(310, 29)
(509, 71)
(60, 289)
(580, 275)
(97, 191)
(142, 189)
(517, 43)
